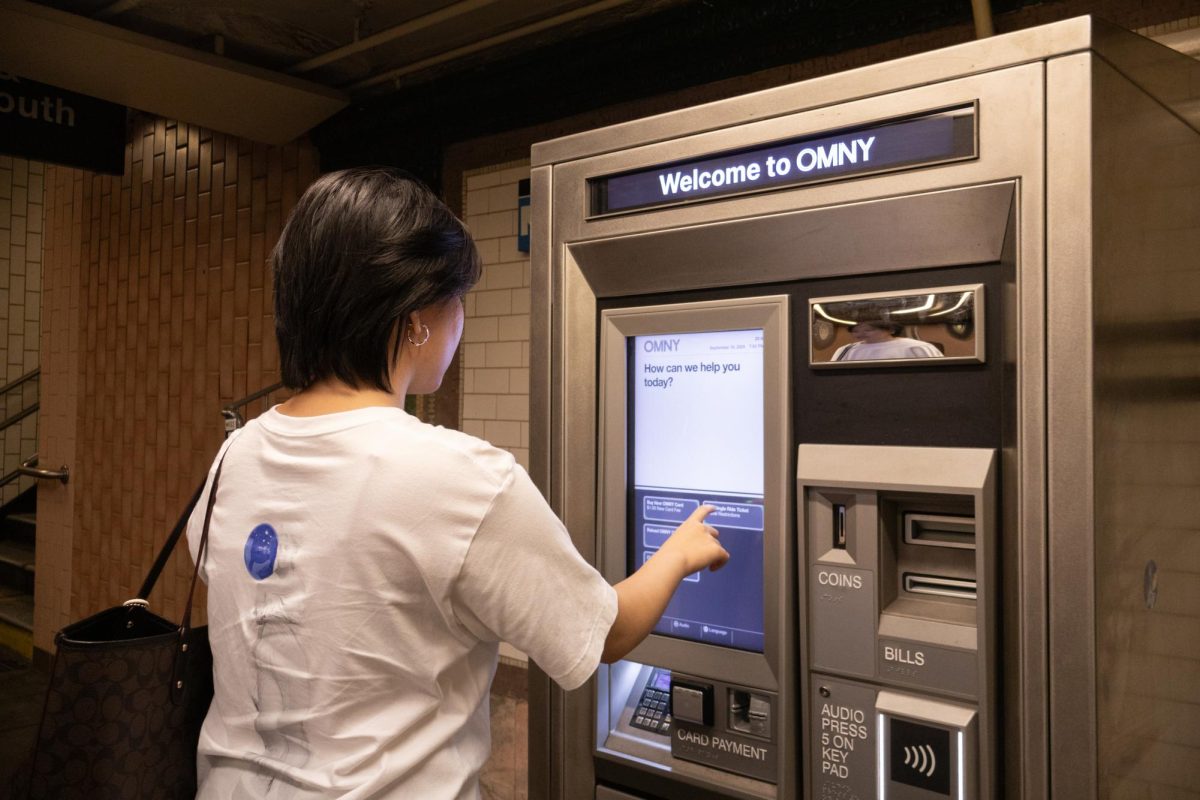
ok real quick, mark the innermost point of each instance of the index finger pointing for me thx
(700, 513)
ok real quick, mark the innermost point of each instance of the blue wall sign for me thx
(523, 215)
(937, 137)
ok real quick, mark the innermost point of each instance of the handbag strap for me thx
(202, 550)
(164, 554)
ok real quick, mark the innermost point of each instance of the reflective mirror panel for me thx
(942, 325)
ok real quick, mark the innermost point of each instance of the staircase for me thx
(18, 522)
(18, 512)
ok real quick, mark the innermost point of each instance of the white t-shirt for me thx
(362, 567)
(898, 347)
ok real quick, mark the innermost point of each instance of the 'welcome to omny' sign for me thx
(935, 137)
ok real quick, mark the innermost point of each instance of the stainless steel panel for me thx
(575, 454)
(842, 739)
(541, 379)
(961, 226)
(956, 657)
(988, 55)
(773, 669)
(1008, 112)
(1146, 415)
(1069, 479)
(1012, 150)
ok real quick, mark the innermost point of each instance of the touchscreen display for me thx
(696, 438)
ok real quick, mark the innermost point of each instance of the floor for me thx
(506, 774)
(20, 710)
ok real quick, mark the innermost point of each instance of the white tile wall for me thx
(21, 223)
(495, 357)
(495, 363)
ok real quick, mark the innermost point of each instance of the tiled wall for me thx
(159, 312)
(21, 223)
(58, 415)
(495, 349)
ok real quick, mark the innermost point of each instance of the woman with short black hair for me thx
(362, 565)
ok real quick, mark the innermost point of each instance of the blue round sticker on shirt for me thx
(261, 547)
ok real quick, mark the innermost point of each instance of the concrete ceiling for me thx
(361, 47)
(271, 70)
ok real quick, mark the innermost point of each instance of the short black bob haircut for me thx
(363, 249)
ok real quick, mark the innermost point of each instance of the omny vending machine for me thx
(924, 336)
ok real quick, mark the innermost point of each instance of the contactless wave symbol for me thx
(921, 758)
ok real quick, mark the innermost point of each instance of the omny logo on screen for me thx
(697, 439)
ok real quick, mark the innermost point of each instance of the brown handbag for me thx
(127, 696)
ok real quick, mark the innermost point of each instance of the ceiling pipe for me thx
(119, 7)
(483, 44)
(388, 35)
(981, 10)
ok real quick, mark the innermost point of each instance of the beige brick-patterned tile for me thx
(473, 355)
(502, 197)
(504, 276)
(491, 381)
(502, 433)
(496, 339)
(474, 427)
(493, 225)
(493, 303)
(483, 180)
(477, 201)
(480, 406)
(512, 407)
(513, 328)
(521, 301)
(146, 318)
(489, 250)
(503, 354)
(481, 329)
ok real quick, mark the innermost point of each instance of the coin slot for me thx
(839, 526)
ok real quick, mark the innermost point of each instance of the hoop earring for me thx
(414, 343)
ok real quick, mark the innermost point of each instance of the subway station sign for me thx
(46, 123)
(931, 138)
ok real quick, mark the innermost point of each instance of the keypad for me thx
(652, 713)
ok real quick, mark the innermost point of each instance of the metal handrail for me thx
(20, 415)
(9, 478)
(232, 411)
(28, 411)
(30, 467)
(28, 376)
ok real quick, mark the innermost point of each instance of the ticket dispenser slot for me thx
(898, 651)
